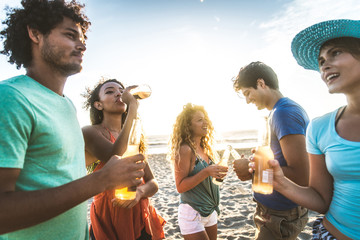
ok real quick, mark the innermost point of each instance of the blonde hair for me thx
(182, 134)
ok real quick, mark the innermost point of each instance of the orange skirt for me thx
(108, 222)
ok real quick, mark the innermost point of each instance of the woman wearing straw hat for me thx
(333, 140)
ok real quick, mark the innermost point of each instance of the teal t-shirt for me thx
(342, 161)
(40, 134)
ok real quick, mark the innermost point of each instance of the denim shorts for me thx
(190, 220)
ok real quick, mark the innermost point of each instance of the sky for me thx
(189, 51)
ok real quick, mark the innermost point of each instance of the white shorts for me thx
(190, 220)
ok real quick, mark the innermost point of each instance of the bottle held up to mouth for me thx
(142, 91)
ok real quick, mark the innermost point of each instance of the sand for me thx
(236, 204)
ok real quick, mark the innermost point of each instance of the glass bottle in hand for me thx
(223, 162)
(263, 175)
(135, 146)
(142, 91)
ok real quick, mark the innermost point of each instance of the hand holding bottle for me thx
(125, 172)
(127, 97)
(134, 92)
(279, 177)
(241, 168)
(217, 171)
(224, 163)
(240, 165)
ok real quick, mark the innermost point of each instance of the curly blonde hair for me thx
(182, 134)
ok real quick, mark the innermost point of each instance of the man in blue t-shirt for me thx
(276, 217)
(43, 187)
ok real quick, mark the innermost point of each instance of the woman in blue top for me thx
(192, 155)
(333, 140)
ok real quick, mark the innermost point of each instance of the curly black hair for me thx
(43, 15)
(92, 95)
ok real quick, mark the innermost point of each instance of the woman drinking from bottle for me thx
(333, 140)
(112, 113)
(193, 157)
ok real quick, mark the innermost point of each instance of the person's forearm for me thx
(21, 209)
(297, 175)
(149, 188)
(303, 196)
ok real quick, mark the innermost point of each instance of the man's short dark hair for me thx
(249, 75)
(43, 15)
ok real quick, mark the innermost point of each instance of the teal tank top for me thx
(205, 196)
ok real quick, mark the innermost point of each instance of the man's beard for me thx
(53, 55)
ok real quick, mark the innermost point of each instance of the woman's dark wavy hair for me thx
(349, 44)
(92, 95)
(43, 15)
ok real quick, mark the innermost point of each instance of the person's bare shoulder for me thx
(185, 149)
(90, 131)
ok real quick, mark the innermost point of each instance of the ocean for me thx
(158, 144)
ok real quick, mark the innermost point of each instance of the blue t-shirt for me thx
(342, 159)
(287, 117)
(40, 134)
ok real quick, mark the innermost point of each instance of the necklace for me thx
(111, 130)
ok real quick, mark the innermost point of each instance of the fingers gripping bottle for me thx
(223, 162)
(263, 175)
(135, 146)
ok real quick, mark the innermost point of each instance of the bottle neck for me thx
(265, 135)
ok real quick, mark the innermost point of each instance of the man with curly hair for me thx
(43, 187)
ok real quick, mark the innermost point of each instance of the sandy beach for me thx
(236, 204)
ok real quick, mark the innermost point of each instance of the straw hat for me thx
(306, 44)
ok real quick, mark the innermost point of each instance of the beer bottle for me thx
(263, 175)
(142, 91)
(234, 153)
(135, 146)
(223, 162)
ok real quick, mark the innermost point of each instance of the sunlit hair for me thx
(92, 95)
(348, 44)
(43, 15)
(249, 74)
(182, 134)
